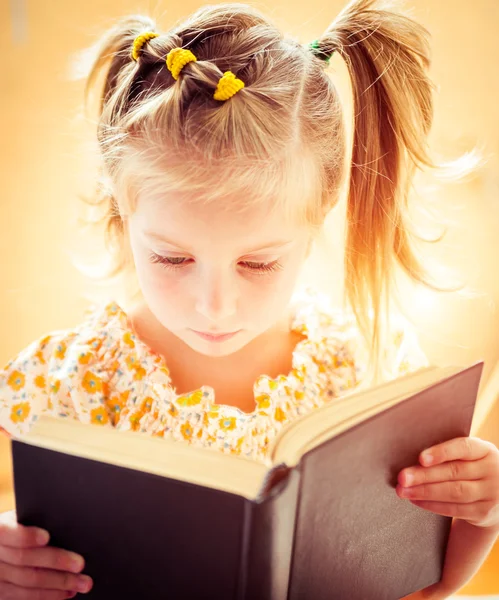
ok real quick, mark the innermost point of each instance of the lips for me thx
(218, 337)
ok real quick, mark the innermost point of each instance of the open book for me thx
(161, 519)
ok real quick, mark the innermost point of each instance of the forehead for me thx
(217, 223)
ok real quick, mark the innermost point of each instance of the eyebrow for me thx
(161, 238)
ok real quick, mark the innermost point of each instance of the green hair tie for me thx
(314, 47)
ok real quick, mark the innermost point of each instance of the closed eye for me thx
(178, 262)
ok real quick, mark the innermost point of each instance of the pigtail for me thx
(114, 67)
(108, 90)
(388, 56)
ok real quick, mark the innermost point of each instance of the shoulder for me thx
(336, 330)
(69, 345)
(31, 381)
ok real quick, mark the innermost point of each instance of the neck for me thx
(270, 353)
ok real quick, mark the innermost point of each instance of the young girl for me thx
(224, 150)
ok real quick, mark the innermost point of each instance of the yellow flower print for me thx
(60, 351)
(131, 361)
(146, 404)
(45, 341)
(40, 382)
(299, 395)
(84, 358)
(320, 365)
(99, 416)
(199, 434)
(164, 371)
(273, 384)
(117, 403)
(55, 386)
(95, 344)
(213, 411)
(173, 410)
(16, 380)
(190, 399)
(279, 415)
(403, 367)
(91, 383)
(20, 412)
(139, 374)
(127, 338)
(187, 430)
(112, 309)
(263, 401)
(227, 424)
(39, 356)
(337, 362)
(134, 419)
(160, 433)
(299, 374)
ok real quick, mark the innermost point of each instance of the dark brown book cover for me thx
(330, 528)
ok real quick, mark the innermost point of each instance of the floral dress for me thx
(102, 374)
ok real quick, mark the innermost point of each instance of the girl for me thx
(224, 150)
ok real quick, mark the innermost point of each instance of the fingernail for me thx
(427, 458)
(84, 584)
(409, 478)
(42, 537)
(77, 562)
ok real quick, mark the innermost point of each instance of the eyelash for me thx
(261, 268)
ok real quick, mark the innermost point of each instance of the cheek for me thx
(156, 281)
(161, 282)
(265, 297)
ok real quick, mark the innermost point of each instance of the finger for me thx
(475, 513)
(8, 591)
(5, 433)
(18, 536)
(34, 578)
(450, 491)
(48, 558)
(451, 471)
(462, 448)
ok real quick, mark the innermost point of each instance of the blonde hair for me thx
(281, 139)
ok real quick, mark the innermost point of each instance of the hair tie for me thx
(176, 60)
(227, 86)
(140, 41)
(314, 47)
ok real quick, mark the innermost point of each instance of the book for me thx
(155, 518)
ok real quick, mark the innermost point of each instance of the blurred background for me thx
(47, 164)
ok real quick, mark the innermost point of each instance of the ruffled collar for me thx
(306, 381)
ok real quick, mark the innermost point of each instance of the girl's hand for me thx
(459, 478)
(29, 570)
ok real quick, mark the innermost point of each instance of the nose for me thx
(217, 298)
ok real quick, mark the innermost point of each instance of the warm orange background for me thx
(44, 165)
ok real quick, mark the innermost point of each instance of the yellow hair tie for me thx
(139, 42)
(227, 86)
(176, 60)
